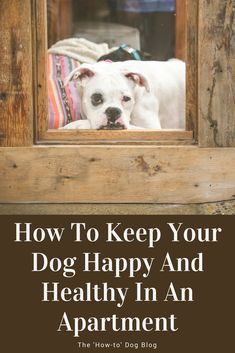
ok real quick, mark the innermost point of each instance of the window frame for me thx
(43, 135)
(121, 174)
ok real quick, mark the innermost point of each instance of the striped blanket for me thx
(63, 57)
(63, 105)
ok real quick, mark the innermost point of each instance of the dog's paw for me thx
(78, 124)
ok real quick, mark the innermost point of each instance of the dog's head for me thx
(106, 94)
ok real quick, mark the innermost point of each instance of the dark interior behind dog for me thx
(126, 52)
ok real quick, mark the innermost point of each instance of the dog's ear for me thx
(138, 79)
(80, 75)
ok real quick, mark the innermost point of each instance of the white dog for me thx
(130, 95)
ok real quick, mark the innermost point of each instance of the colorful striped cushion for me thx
(63, 105)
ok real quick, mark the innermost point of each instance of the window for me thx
(106, 19)
(117, 174)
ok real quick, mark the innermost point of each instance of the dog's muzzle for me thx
(113, 119)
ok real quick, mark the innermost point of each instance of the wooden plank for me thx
(216, 73)
(211, 208)
(117, 174)
(117, 136)
(192, 67)
(40, 67)
(16, 108)
(180, 45)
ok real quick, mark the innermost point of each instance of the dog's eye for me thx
(126, 98)
(97, 99)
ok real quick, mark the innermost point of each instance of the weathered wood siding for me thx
(192, 67)
(119, 174)
(216, 73)
(16, 103)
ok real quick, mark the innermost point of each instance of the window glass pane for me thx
(86, 31)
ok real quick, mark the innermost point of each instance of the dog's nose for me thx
(113, 113)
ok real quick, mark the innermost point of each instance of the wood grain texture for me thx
(216, 73)
(180, 43)
(16, 104)
(212, 208)
(40, 67)
(118, 137)
(117, 174)
(192, 67)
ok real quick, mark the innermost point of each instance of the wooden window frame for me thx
(162, 137)
(140, 173)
